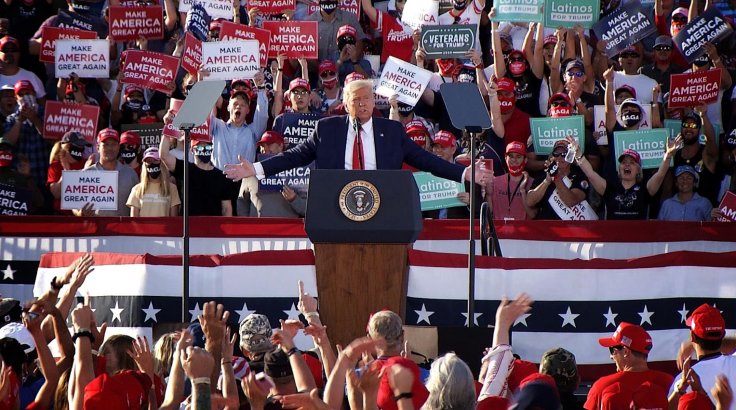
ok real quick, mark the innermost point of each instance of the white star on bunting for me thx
(610, 318)
(8, 273)
(522, 319)
(150, 312)
(244, 312)
(683, 313)
(568, 318)
(423, 315)
(646, 316)
(195, 312)
(116, 311)
(292, 313)
(475, 318)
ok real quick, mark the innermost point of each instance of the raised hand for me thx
(196, 362)
(214, 322)
(142, 355)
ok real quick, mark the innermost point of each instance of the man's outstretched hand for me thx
(482, 175)
(236, 172)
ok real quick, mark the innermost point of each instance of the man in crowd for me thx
(686, 205)
(24, 129)
(330, 18)
(10, 70)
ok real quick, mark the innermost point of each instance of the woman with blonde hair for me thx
(155, 195)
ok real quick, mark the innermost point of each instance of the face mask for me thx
(507, 104)
(675, 28)
(458, 4)
(134, 105)
(631, 120)
(701, 61)
(153, 170)
(517, 67)
(78, 155)
(560, 112)
(205, 159)
(6, 158)
(204, 155)
(328, 6)
(127, 155)
(330, 84)
(405, 110)
(516, 170)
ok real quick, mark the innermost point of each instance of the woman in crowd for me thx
(155, 195)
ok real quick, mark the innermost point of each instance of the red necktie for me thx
(358, 151)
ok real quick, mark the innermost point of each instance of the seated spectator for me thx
(134, 107)
(155, 195)
(8, 104)
(686, 205)
(70, 155)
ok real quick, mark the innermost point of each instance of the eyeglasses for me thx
(558, 154)
(690, 125)
(327, 74)
(629, 55)
(663, 48)
(559, 103)
(614, 349)
(680, 19)
(575, 73)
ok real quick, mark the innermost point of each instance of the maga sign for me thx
(708, 27)
(234, 31)
(624, 26)
(691, 89)
(295, 39)
(85, 58)
(49, 35)
(728, 208)
(228, 60)
(403, 79)
(14, 200)
(217, 9)
(150, 70)
(191, 57)
(417, 13)
(131, 23)
(448, 41)
(60, 117)
(99, 188)
(271, 6)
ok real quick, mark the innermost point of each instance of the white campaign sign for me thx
(99, 188)
(85, 58)
(599, 122)
(403, 79)
(229, 60)
(217, 9)
(418, 13)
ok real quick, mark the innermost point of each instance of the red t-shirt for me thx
(629, 381)
(397, 39)
(54, 175)
(11, 400)
(517, 128)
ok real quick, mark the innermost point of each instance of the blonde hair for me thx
(55, 152)
(164, 178)
(163, 354)
(354, 86)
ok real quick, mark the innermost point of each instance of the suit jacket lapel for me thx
(380, 146)
(342, 142)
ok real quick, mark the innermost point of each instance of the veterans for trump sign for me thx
(404, 79)
(60, 117)
(444, 41)
(707, 27)
(569, 13)
(545, 131)
(691, 89)
(191, 56)
(624, 26)
(650, 144)
(99, 188)
(217, 9)
(228, 60)
(49, 35)
(234, 31)
(150, 70)
(271, 6)
(132, 23)
(519, 10)
(85, 58)
(295, 39)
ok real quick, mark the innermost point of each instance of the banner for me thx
(272, 6)
(150, 133)
(99, 188)
(191, 56)
(295, 39)
(70, 19)
(149, 69)
(650, 144)
(49, 35)
(728, 208)
(448, 41)
(85, 58)
(14, 200)
(691, 89)
(519, 10)
(229, 60)
(131, 23)
(61, 117)
(234, 31)
(707, 27)
(197, 22)
(350, 6)
(216, 9)
(569, 13)
(404, 79)
(417, 13)
(545, 131)
(199, 133)
(436, 192)
(625, 26)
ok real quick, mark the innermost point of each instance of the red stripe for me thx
(257, 258)
(679, 258)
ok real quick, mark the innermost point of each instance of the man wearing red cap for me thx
(24, 127)
(300, 94)
(444, 145)
(350, 58)
(515, 121)
(10, 70)
(507, 192)
(330, 91)
(330, 18)
(629, 347)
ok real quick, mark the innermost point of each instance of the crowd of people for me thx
(217, 364)
(523, 71)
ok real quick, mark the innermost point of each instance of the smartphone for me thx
(571, 153)
(264, 381)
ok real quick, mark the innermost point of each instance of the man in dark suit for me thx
(382, 144)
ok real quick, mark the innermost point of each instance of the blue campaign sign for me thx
(296, 128)
(710, 26)
(70, 19)
(624, 26)
(198, 22)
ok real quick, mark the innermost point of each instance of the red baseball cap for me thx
(299, 83)
(630, 153)
(630, 335)
(550, 39)
(9, 44)
(444, 138)
(270, 137)
(694, 401)
(327, 65)
(707, 323)
(23, 85)
(516, 147)
(417, 132)
(130, 89)
(347, 30)
(559, 96)
(506, 84)
(106, 134)
(130, 138)
(354, 77)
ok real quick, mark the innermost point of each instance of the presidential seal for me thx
(359, 200)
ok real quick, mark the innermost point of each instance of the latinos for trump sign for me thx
(691, 89)
(708, 27)
(150, 70)
(436, 192)
(271, 6)
(217, 9)
(519, 10)
(350, 6)
(234, 31)
(545, 131)
(199, 133)
(650, 144)
(49, 35)
(191, 57)
(295, 39)
(228, 60)
(99, 188)
(14, 200)
(60, 117)
(85, 58)
(131, 23)
(403, 79)
(569, 13)
(728, 208)
(624, 26)
(417, 13)
(448, 41)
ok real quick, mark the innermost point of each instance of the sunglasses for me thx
(663, 48)
(629, 55)
(558, 154)
(327, 74)
(560, 103)
(575, 73)
(690, 125)
(521, 59)
(203, 149)
(680, 19)
(614, 349)
(300, 93)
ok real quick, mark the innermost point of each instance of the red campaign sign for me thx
(60, 117)
(200, 133)
(191, 57)
(49, 35)
(150, 70)
(295, 39)
(687, 90)
(351, 6)
(728, 208)
(234, 31)
(271, 6)
(131, 23)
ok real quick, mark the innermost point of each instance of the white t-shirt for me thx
(641, 83)
(24, 74)
(471, 15)
(708, 369)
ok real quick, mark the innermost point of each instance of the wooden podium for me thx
(362, 224)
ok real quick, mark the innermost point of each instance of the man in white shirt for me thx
(631, 61)
(11, 72)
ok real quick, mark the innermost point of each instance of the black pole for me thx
(471, 241)
(187, 128)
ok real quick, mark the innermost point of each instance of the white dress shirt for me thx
(369, 147)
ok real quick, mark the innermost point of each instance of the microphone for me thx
(359, 140)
